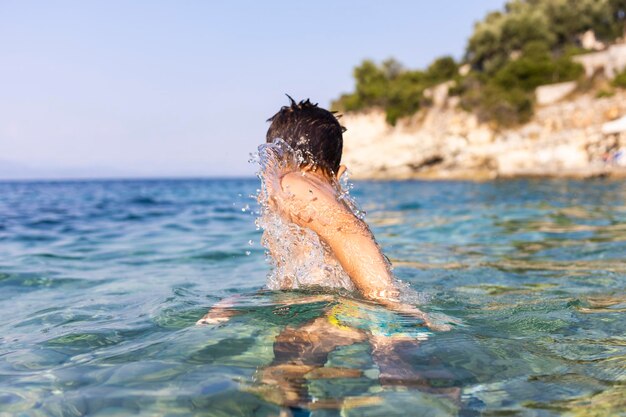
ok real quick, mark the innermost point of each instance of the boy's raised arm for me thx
(317, 208)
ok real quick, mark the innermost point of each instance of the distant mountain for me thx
(11, 170)
(14, 170)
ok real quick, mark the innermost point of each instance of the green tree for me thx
(536, 67)
(406, 95)
(371, 84)
(511, 52)
(442, 69)
(501, 34)
(617, 11)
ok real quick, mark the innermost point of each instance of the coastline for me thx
(562, 140)
(612, 173)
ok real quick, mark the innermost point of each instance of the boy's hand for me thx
(412, 311)
(216, 316)
(221, 312)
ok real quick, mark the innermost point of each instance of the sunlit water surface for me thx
(101, 284)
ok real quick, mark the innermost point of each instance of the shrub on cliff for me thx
(507, 96)
(536, 67)
(393, 88)
(502, 34)
(506, 107)
(555, 23)
(492, 102)
(620, 80)
(511, 52)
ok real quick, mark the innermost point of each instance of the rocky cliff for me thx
(563, 139)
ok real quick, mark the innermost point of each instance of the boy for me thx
(307, 195)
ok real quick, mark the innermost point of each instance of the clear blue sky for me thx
(183, 88)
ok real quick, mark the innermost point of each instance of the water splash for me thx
(298, 257)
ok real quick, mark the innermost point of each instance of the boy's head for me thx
(311, 130)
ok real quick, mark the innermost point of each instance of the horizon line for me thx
(130, 178)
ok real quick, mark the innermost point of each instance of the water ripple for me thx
(101, 284)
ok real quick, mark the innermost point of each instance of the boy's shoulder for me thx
(308, 187)
(312, 202)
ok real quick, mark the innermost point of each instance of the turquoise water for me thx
(101, 284)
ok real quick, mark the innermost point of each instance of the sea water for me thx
(102, 282)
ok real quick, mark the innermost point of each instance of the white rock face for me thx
(563, 139)
(548, 94)
(612, 61)
(614, 126)
(588, 41)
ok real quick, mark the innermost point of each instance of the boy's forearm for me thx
(220, 312)
(362, 260)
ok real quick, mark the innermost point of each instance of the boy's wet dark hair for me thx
(311, 130)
